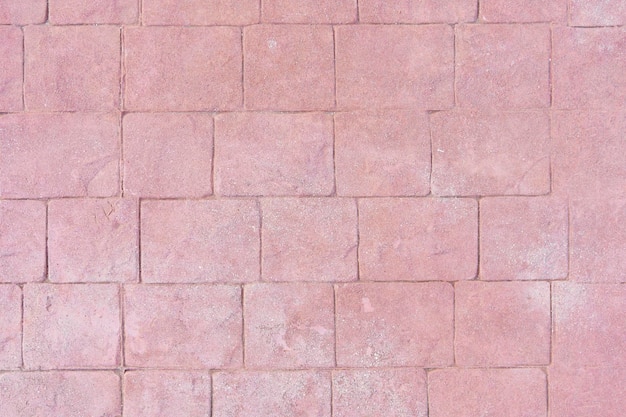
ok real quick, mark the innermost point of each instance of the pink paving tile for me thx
(93, 240)
(22, 241)
(289, 67)
(168, 154)
(589, 153)
(273, 154)
(183, 326)
(394, 324)
(598, 240)
(589, 328)
(587, 392)
(71, 68)
(503, 66)
(182, 68)
(588, 65)
(382, 153)
(490, 153)
(289, 325)
(33, 146)
(304, 11)
(309, 240)
(417, 11)
(10, 327)
(167, 394)
(523, 11)
(67, 394)
(597, 12)
(200, 241)
(22, 12)
(487, 392)
(399, 392)
(418, 71)
(502, 323)
(71, 326)
(11, 40)
(200, 12)
(523, 238)
(68, 12)
(418, 239)
(276, 394)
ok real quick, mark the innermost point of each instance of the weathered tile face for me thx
(418, 239)
(587, 68)
(182, 68)
(490, 153)
(475, 392)
(71, 68)
(377, 392)
(68, 394)
(598, 240)
(22, 241)
(587, 391)
(370, 74)
(200, 241)
(273, 154)
(59, 155)
(272, 393)
(167, 394)
(304, 11)
(588, 158)
(523, 11)
(309, 239)
(502, 323)
(523, 238)
(503, 66)
(183, 326)
(10, 327)
(289, 67)
(417, 11)
(71, 326)
(22, 12)
(93, 240)
(289, 325)
(68, 12)
(597, 12)
(200, 12)
(382, 153)
(11, 76)
(168, 154)
(394, 324)
(589, 329)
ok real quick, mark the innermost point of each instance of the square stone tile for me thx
(200, 241)
(11, 67)
(72, 12)
(22, 240)
(502, 324)
(597, 12)
(168, 155)
(394, 324)
(71, 326)
(200, 12)
(183, 326)
(93, 240)
(305, 11)
(523, 11)
(289, 325)
(417, 11)
(167, 394)
(311, 239)
(22, 12)
(71, 68)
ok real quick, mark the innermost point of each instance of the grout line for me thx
(243, 325)
(550, 60)
(358, 12)
(139, 248)
(47, 12)
(331, 374)
(454, 325)
(333, 193)
(477, 11)
(334, 68)
(213, 154)
(334, 286)
(432, 153)
(478, 204)
(454, 47)
(358, 240)
(122, 345)
(121, 167)
(21, 287)
(260, 209)
(23, 69)
(243, 71)
(569, 237)
(46, 268)
(551, 325)
(547, 392)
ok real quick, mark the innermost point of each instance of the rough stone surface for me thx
(10, 327)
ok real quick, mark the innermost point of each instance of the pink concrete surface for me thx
(331, 208)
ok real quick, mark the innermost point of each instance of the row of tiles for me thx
(312, 325)
(360, 154)
(244, 12)
(400, 392)
(297, 67)
(312, 240)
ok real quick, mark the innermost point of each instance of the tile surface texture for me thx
(329, 208)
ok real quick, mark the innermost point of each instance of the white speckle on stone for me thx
(272, 44)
